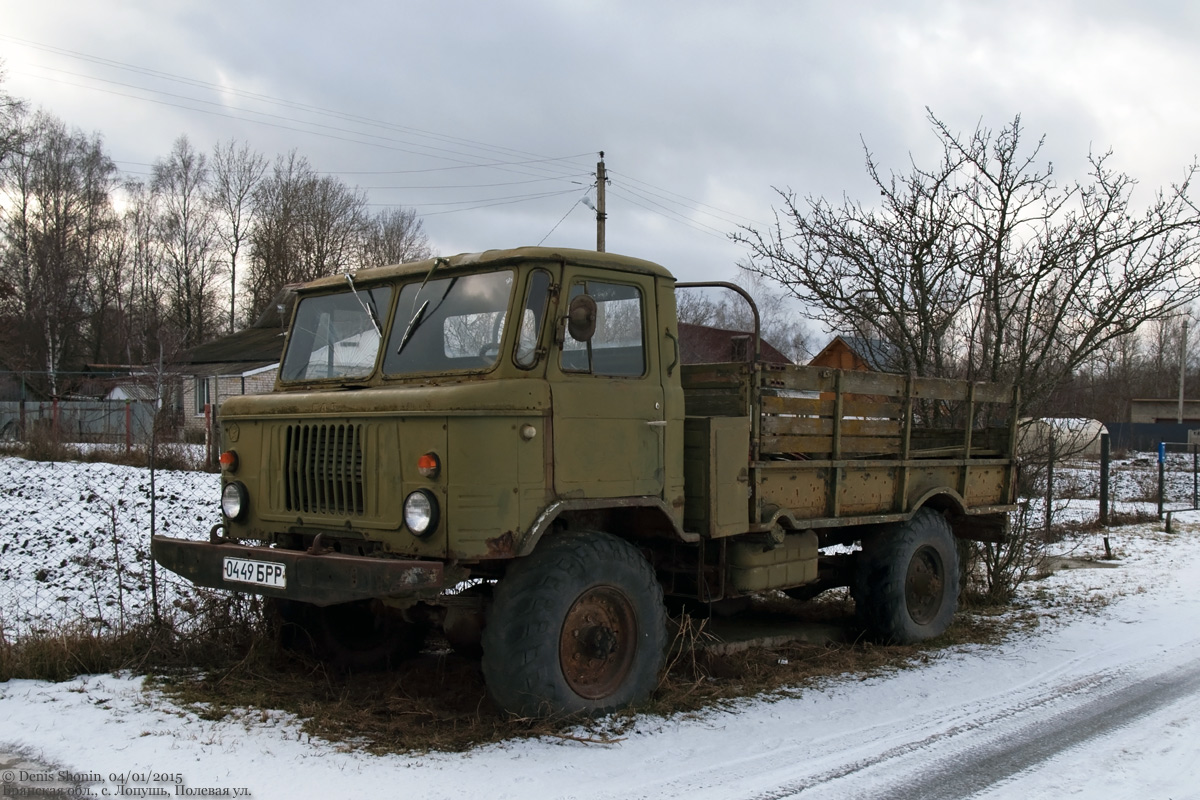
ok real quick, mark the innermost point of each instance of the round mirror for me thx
(581, 318)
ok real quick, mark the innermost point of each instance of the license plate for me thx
(262, 573)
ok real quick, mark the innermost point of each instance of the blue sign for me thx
(1162, 452)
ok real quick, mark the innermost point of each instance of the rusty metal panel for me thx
(801, 487)
(868, 490)
(986, 485)
(716, 463)
(323, 579)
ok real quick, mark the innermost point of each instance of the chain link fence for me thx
(75, 540)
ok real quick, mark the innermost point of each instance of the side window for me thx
(532, 317)
(201, 392)
(618, 345)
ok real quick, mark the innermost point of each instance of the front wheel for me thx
(578, 627)
(906, 586)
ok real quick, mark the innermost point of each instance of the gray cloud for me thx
(711, 102)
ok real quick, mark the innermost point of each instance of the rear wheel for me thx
(906, 586)
(577, 627)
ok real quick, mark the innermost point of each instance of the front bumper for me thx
(320, 578)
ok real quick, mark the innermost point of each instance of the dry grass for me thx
(167, 455)
(211, 631)
(438, 701)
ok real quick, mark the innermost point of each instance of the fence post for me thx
(208, 436)
(1162, 475)
(1050, 480)
(128, 427)
(1105, 455)
(1195, 478)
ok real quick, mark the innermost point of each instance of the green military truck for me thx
(508, 445)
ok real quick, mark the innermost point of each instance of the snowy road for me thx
(1096, 705)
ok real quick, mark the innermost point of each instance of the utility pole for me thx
(1182, 366)
(601, 179)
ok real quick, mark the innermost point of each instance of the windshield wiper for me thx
(412, 325)
(369, 309)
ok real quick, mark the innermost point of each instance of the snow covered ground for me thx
(1100, 702)
(75, 538)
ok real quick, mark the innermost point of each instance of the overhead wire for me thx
(327, 131)
(645, 195)
(232, 90)
(666, 195)
(486, 204)
(663, 211)
(574, 205)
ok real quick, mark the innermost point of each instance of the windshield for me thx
(449, 324)
(335, 335)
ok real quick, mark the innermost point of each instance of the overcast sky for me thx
(487, 117)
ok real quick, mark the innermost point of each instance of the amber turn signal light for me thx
(428, 465)
(229, 461)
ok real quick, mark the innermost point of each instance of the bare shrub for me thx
(997, 569)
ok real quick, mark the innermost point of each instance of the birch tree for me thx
(187, 232)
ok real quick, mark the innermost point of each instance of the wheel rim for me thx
(598, 641)
(925, 585)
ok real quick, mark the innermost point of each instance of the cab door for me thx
(608, 419)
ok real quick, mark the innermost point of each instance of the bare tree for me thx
(394, 236)
(984, 266)
(237, 171)
(55, 227)
(142, 297)
(308, 226)
(11, 111)
(188, 235)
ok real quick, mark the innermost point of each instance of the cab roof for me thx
(495, 259)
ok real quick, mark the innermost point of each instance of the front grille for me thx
(323, 469)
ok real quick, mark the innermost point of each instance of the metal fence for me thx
(1099, 488)
(125, 422)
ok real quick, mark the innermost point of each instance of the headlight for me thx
(421, 512)
(233, 500)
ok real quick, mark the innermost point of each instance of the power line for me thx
(229, 90)
(458, 185)
(465, 153)
(731, 217)
(582, 197)
(490, 204)
(663, 211)
(461, 162)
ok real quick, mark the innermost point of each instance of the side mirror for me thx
(581, 318)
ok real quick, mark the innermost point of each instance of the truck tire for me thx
(577, 627)
(353, 637)
(906, 585)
